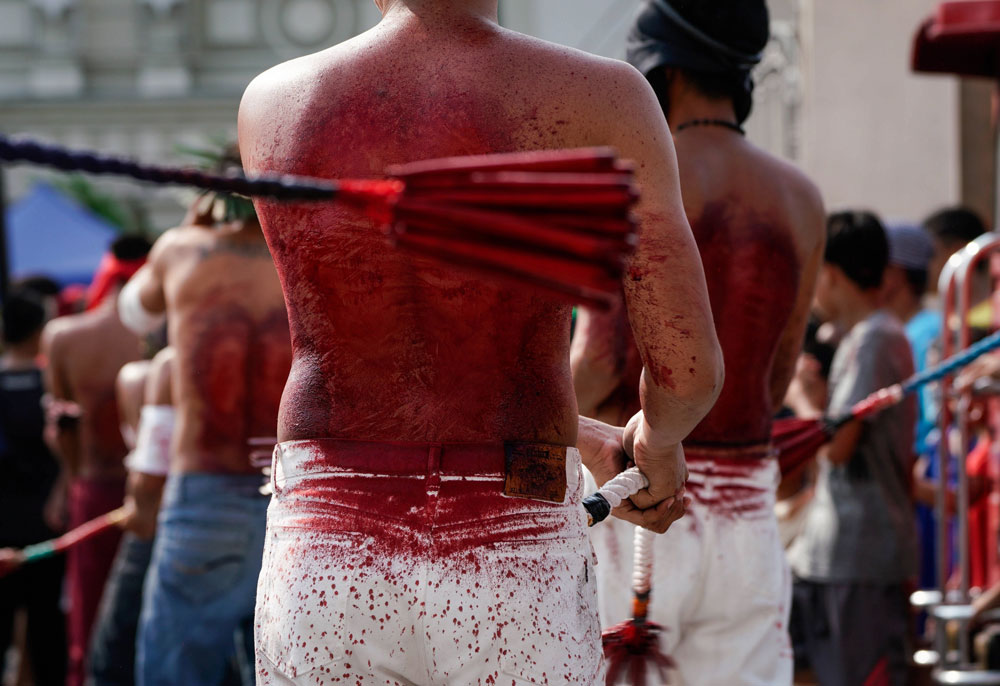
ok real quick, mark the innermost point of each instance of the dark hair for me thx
(709, 85)
(131, 247)
(42, 285)
(23, 316)
(822, 351)
(856, 243)
(743, 25)
(955, 225)
(916, 279)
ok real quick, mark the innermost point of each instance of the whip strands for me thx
(632, 646)
(557, 222)
(797, 440)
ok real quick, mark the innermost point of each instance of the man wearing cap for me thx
(910, 254)
(721, 587)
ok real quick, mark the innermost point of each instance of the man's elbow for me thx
(703, 384)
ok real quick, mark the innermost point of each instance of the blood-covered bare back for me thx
(388, 347)
(85, 352)
(758, 223)
(230, 332)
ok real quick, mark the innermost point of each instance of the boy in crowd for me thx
(858, 546)
(29, 472)
(951, 229)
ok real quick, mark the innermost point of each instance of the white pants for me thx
(721, 587)
(417, 570)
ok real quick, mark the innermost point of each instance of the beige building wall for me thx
(874, 134)
(597, 26)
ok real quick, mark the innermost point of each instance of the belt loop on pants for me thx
(277, 471)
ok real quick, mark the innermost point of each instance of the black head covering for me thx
(720, 37)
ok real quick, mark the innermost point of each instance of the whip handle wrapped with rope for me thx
(613, 493)
(283, 187)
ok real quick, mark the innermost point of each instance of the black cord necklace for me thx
(731, 125)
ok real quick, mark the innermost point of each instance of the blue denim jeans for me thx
(198, 600)
(112, 649)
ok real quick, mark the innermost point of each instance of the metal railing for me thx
(954, 606)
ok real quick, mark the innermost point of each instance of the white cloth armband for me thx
(134, 316)
(152, 447)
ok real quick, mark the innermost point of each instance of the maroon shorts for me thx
(88, 565)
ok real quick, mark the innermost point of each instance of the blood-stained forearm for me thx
(668, 306)
(665, 287)
(672, 322)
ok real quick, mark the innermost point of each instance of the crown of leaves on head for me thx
(222, 158)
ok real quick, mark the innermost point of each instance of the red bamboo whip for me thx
(555, 221)
(46, 549)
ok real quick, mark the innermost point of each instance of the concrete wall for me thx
(597, 26)
(874, 134)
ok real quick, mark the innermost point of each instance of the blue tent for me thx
(47, 233)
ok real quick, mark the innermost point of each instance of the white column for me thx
(876, 135)
(164, 71)
(56, 72)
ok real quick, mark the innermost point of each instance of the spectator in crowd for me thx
(857, 550)
(27, 473)
(983, 375)
(951, 229)
(46, 288)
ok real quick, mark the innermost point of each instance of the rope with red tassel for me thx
(632, 647)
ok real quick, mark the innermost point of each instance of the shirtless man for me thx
(146, 410)
(84, 353)
(228, 328)
(419, 394)
(721, 589)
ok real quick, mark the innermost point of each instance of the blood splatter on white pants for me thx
(420, 571)
(721, 586)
